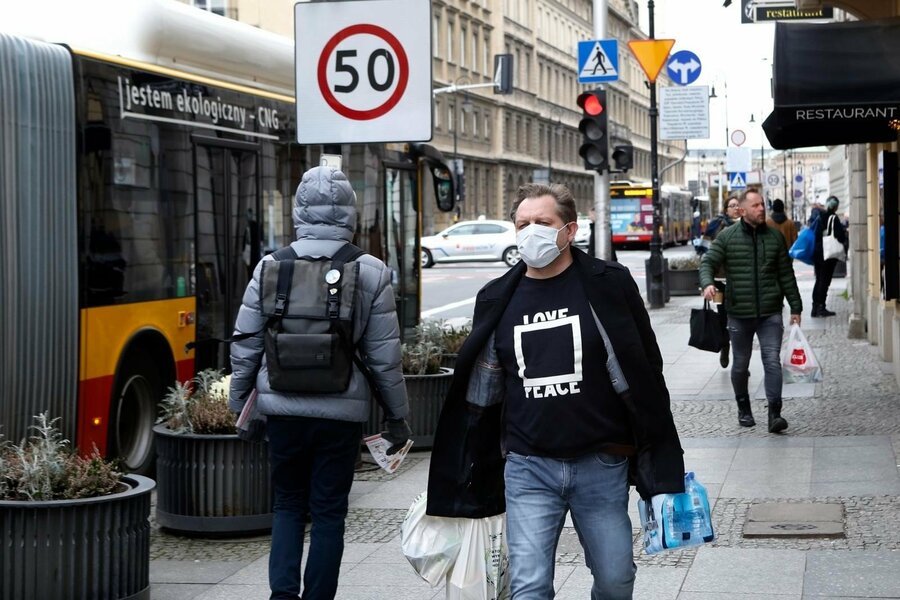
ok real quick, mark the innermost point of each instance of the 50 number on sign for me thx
(381, 58)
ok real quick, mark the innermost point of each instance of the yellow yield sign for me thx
(652, 55)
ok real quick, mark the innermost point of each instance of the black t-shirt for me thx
(559, 399)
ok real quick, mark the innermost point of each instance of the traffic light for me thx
(623, 157)
(593, 127)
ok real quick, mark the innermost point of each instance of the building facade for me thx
(503, 141)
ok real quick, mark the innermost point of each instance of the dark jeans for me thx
(312, 463)
(824, 273)
(769, 331)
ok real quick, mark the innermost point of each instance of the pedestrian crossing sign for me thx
(737, 181)
(598, 61)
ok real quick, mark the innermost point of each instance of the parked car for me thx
(482, 240)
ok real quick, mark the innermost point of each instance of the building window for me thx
(462, 122)
(437, 114)
(474, 50)
(219, 7)
(487, 125)
(475, 118)
(463, 34)
(436, 34)
(449, 41)
(451, 108)
(486, 56)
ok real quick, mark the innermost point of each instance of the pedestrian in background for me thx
(760, 276)
(780, 221)
(825, 268)
(730, 214)
(556, 390)
(314, 439)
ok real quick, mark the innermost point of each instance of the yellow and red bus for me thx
(631, 213)
(138, 190)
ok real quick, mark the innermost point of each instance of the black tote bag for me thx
(706, 330)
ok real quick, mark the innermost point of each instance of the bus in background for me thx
(631, 213)
(141, 181)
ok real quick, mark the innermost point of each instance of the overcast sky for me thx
(728, 51)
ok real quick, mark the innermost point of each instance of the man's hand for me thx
(397, 434)
(795, 319)
(709, 292)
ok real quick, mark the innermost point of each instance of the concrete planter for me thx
(85, 549)
(212, 483)
(684, 283)
(426, 395)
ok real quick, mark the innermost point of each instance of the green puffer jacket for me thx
(758, 268)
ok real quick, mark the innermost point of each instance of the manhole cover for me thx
(795, 519)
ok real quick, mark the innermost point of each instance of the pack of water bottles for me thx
(673, 521)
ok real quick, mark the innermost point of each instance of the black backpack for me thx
(310, 305)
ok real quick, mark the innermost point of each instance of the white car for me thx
(482, 240)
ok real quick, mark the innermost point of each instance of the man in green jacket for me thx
(760, 277)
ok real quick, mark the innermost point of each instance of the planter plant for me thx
(452, 339)
(427, 383)
(72, 526)
(209, 480)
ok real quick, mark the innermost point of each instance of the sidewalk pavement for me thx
(842, 448)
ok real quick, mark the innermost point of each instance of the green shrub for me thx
(454, 337)
(685, 263)
(199, 406)
(421, 355)
(46, 468)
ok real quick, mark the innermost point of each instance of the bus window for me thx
(402, 242)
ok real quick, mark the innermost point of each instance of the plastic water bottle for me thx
(701, 518)
(677, 520)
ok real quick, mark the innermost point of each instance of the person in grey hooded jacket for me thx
(313, 440)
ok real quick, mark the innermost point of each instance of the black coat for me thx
(466, 472)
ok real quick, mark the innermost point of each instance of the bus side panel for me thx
(106, 333)
(38, 266)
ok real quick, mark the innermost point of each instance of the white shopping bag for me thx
(430, 544)
(481, 571)
(798, 361)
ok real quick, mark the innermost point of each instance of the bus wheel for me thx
(427, 261)
(511, 256)
(132, 415)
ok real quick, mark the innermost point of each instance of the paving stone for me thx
(853, 574)
(793, 529)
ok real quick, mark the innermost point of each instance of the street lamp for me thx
(712, 94)
(552, 130)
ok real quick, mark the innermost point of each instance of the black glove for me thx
(397, 434)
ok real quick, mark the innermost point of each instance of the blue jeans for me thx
(594, 488)
(769, 331)
(312, 462)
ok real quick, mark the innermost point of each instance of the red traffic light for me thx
(590, 103)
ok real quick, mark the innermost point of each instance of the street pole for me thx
(655, 291)
(603, 235)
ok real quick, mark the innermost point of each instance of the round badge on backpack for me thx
(332, 276)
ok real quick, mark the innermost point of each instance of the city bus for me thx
(139, 188)
(631, 213)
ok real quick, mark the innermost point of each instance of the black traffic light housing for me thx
(623, 157)
(594, 126)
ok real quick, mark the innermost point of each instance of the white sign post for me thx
(363, 71)
(684, 113)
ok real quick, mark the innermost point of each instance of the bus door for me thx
(402, 240)
(227, 238)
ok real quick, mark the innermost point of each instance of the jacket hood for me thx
(324, 206)
(779, 217)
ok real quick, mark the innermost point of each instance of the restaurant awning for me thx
(835, 83)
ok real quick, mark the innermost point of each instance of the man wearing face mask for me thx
(557, 397)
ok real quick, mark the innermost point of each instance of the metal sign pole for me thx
(655, 290)
(603, 235)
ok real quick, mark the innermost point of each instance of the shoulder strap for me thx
(285, 253)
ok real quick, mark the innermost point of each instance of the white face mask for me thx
(537, 244)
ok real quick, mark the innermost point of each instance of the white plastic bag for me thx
(831, 247)
(430, 544)
(481, 571)
(798, 361)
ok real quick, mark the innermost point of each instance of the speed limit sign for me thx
(363, 71)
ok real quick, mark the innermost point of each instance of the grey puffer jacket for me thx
(324, 220)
